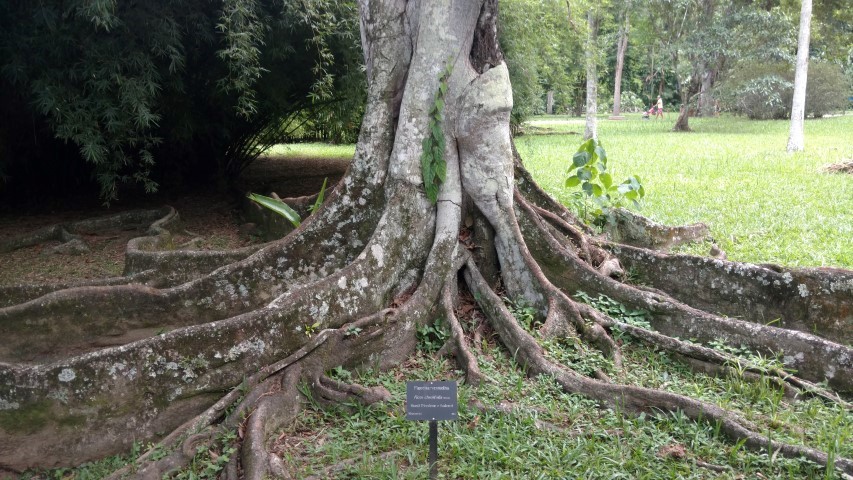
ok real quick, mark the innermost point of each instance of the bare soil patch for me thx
(211, 220)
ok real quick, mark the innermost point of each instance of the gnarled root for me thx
(624, 397)
(458, 343)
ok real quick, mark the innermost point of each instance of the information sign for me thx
(431, 401)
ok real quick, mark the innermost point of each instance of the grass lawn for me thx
(762, 204)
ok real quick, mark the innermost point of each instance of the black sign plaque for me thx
(431, 401)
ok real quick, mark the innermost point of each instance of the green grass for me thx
(762, 204)
(318, 150)
(540, 431)
(550, 434)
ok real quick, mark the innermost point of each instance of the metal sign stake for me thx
(433, 449)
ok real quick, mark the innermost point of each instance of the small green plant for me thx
(352, 331)
(209, 462)
(320, 197)
(283, 209)
(589, 171)
(523, 312)
(433, 165)
(616, 311)
(432, 337)
(571, 351)
(341, 374)
(756, 360)
(310, 330)
(278, 207)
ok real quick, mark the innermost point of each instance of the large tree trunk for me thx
(197, 342)
(706, 100)
(796, 138)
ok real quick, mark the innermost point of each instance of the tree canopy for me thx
(166, 92)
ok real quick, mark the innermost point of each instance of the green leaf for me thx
(320, 197)
(426, 162)
(585, 174)
(596, 190)
(606, 180)
(439, 104)
(587, 187)
(588, 147)
(573, 181)
(602, 155)
(441, 170)
(436, 131)
(431, 191)
(580, 159)
(278, 207)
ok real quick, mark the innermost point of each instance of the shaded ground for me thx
(209, 220)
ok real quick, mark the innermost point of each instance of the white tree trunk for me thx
(621, 48)
(591, 130)
(798, 109)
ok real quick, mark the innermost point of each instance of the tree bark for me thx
(590, 54)
(706, 100)
(796, 137)
(621, 48)
(228, 348)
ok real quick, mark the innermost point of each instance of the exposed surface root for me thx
(624, 397)
(329, 390)
(458, 342)
(66, 232)
(626, 227)
(814, 358)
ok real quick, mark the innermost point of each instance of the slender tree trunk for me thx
(549, 103)
(621, 48)
(796, 140)
(591, 128)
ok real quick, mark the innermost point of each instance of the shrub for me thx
(765, 90)
(827, 89)
(632, 103)
(760, 91)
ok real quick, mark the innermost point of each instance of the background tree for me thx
(591, 57)
(542, 59)
(621, 48)
(798, 108)
(234, 339)
(102, 89)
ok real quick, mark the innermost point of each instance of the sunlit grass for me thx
(762, 204)
(311, 150)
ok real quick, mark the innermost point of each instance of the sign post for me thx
(432, 401)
